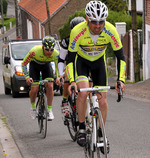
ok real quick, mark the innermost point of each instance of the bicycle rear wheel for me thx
(44, 117)
(72, 123)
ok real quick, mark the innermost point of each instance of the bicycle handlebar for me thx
(94, 89)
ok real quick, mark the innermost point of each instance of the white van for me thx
(13, 54)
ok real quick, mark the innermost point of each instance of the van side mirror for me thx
(6, 60)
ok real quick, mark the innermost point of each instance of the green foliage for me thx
(5, 4)
(116, 5)
(7, 22)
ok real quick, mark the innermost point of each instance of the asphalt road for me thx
(127, 129)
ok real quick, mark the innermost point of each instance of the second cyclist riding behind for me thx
(39, 58)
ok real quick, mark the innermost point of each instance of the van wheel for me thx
(7, 90)
(14, 93)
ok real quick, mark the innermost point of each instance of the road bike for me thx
(94, 121)
(41, 107)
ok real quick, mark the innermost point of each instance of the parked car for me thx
(13, 54)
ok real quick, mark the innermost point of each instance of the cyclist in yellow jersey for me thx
(39, 58)
(87, 45)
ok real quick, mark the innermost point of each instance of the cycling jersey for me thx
(36, 54)
(81, 42)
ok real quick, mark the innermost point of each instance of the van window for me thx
(19, 51)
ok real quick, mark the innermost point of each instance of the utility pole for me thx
(2, 16)
(16, 15)
(135, 41)
(48, 15)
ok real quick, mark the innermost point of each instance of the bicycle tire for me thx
(98, 153)
(38, 107)
(72, 123)
(44, 117)
(94, 152)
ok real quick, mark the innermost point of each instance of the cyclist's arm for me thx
(24, 63)
(121, 64)
(70, 66)
(61, 60)
(56, 67)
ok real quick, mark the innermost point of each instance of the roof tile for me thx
(37, 8)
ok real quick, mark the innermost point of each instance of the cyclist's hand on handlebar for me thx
(122, 87)
(59, 80)
(29, 81)
(69, 88)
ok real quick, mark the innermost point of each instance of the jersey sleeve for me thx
(121, 64)
(70, 66)
(56, 57)
(28, 58)
(115, 39)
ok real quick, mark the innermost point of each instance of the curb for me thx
(8, 147)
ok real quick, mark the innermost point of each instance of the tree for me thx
(3, 3)
(2, 16)
(135, 41)
(116, 5)
(16, 15)
(48, 15)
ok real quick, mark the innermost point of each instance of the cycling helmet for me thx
(48, 42)
(76, 21)
(96, 10)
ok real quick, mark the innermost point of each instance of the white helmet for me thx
(96, 10)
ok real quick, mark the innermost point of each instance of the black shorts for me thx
(97, 70)
(46, 69)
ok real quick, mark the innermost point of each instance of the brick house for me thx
(146, 41)
(33, 16)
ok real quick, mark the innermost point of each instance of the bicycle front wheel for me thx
(101, 141)
(72, 123)
(44, 116)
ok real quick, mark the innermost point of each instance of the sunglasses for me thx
(50, 49)
(97, 22)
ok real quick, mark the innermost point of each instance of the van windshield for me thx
(20, 50)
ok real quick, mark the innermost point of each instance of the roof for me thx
(37, 8)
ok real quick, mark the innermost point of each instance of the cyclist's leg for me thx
(82, 81)
(65, 90)
(47, 73)
(99, 78)
(65, 106)
(34, 72)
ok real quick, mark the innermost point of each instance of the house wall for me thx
(62, 16)
(146, 46)
(147, 12)
(35, 26)
(57, 20)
